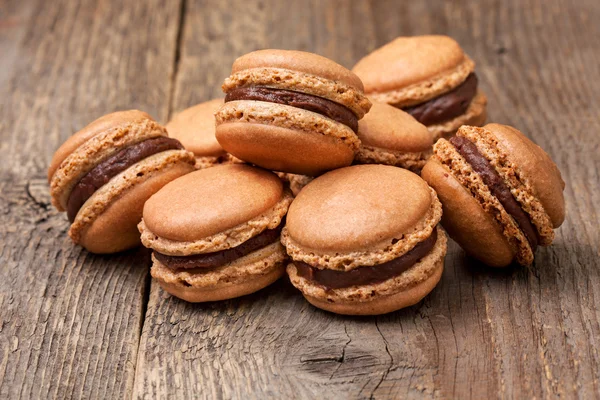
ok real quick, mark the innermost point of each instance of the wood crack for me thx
(389, 367)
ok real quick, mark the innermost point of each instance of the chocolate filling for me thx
(216, 259)
(328, 108)
(446, 106)
(494, 182)
(113, 166)
(333, 279)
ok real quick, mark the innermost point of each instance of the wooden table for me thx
(74, 325)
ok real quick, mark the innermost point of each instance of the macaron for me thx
(291, 111)
(391, 136)
(430, 77)
(194, 127)
(215, 233)
(365, 240)
(102, 175)
(502, 195)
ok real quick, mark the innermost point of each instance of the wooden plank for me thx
(522, 332)
(70, 321)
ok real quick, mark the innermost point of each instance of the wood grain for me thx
(69, 321)
(76, 325)
(522, 332)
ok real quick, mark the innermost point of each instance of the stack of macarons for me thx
(363, 234)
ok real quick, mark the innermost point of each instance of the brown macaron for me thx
(391, 136)
(102, 175)
(291, 111)
(194, 127)
(215, 232)
(430, 77)
(364, 240)
(502, 194)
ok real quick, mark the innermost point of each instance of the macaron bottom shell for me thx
(401, 291)
(284, 149)
(243, 276)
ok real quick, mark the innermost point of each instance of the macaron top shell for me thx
(299, 61)
(302, 72)
(209, 201)
(388, 127)
(354, 208)
(537, 167)
(408, 60)
(194, 127)
(102, 124)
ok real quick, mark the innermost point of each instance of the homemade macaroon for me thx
(429, 77)
(215, 232)
(194, 127)
(291, 111)
(391, 136)
(364, 240)
(102, 175)
(502, 194)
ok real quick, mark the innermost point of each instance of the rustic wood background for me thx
(75, 325)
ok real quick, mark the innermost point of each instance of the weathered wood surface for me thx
(70, 322)
(73, 324)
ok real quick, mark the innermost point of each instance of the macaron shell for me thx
(425, 65)
(116, 228)
(210, 201)
(357, 207)
(194, 127)
(475, 115)
(284, 149)
(104, 123)
(223, 240)
(245, 275)
(221, 292)
(535, 164)
(465, 220)
(388, 127)
(284, 116)
(299, 61)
